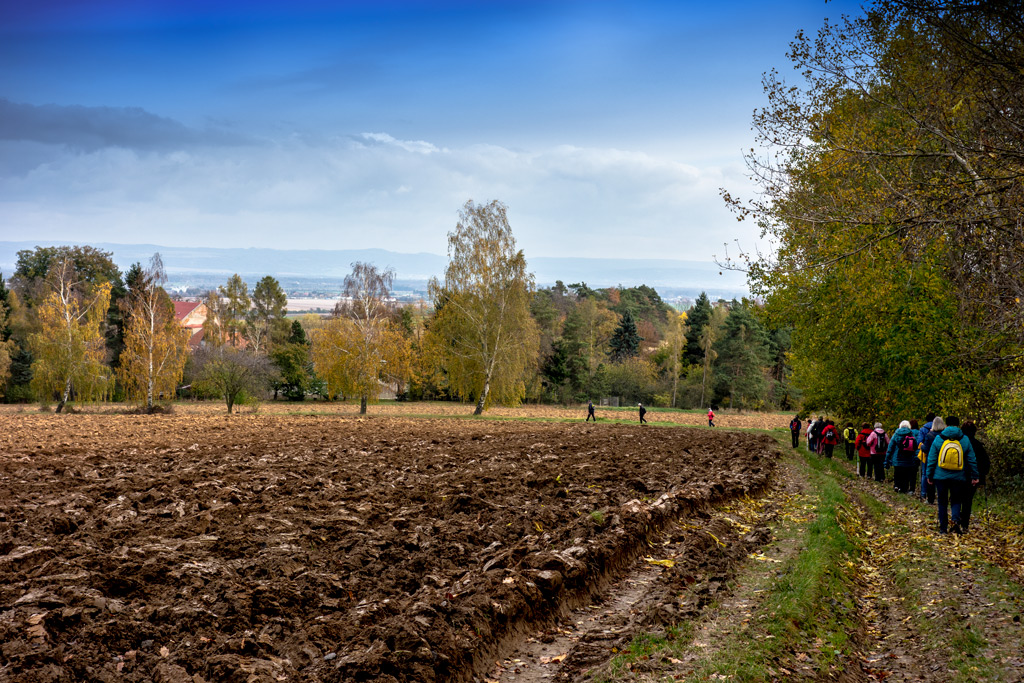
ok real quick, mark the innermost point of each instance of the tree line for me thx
(73, 327)
(890, 178)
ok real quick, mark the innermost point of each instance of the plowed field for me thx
(322, 548)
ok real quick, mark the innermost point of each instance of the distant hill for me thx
(196, 266)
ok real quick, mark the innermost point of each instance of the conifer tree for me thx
(625, 343)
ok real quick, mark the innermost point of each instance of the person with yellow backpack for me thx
(952, 466)
(850, 440)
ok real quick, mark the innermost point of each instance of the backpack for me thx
(922, 454)
(830, 436)
(907, 445)
(850, 434)
(881, 442)
(794, 426)
(951, 455)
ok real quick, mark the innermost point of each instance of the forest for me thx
(75, 328)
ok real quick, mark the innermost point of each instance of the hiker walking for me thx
(922, 454)
(936, 425)
(643, 411)
(877, 442)
(952, 466)
(819, 426)
(711, 418)
(829, 438)
(863, 452)
(981, 455)
(794, 429)
(901, 455)
(590, 412)
(812, 435)
(850, 440)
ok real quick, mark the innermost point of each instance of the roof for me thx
(183, 308)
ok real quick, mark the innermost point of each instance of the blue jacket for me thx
(894, 457)
(923, 432)
(970, 470)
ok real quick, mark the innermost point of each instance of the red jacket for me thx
(861, 443)
(830, 436)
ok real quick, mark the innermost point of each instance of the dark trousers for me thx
(950, 493)
(796, 438)
(903, 478)
(812, 444)
(966, 503)
(879, 461)
(828, 449)
(591, 415)
(864, 467)
(849, 450)
(927, 490)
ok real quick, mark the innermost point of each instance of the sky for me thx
(607, 128)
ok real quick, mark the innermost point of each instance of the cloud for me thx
(375, 190)
(91, 128)
(417, 146)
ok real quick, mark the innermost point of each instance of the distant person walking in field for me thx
(829, 438)
(952, 466)
(812, 435)
(711, 418)
(877, 442)
(863, 452)
(794, 430)
(981, 455)
(590, 412)
(901, 455)
(850, 440)
(643, 411)
(936, 425)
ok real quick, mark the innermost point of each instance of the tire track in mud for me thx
(684, 569)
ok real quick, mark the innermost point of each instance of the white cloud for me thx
(373, 190)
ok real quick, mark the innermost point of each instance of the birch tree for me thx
(69, 346)
(488, 337)
(360, 347)
(156, 346)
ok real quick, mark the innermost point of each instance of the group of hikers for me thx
(942, 461)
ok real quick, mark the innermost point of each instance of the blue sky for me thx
(607, 127)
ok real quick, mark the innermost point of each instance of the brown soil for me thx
(725, 419)
(268, 547)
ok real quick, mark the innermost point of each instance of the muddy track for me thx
(328, 549)
(683, 570)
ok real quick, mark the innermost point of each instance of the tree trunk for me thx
(483, 398)
(65, 396)
(362, 404)
(702, 381)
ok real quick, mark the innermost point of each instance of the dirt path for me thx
(933, 608)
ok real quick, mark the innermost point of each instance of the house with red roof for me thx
(191, 315)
